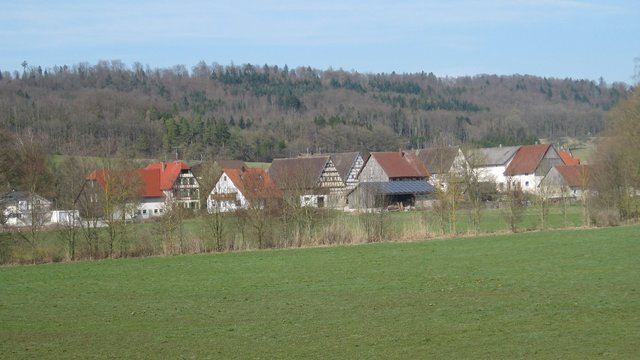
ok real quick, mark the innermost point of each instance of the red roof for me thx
(401, 164)
(527, 159)
(253, 183)
(168, 172)
(574, 175)
(567, 158)
(143, 182)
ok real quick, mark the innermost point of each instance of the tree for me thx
(208, 175)
(69, 179)
(35, 180)
(617, 162)
(514, 204)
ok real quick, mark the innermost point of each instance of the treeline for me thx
(256, 113)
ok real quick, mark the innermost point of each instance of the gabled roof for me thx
(527, 159)
(494, 156)
(438, 159)
(15, 196)
(575, 175)
(168, 172)
(231, 164)
(298, 173)
(253, 183)
(344, 162)
(144, 182)
(567, 158)
(400, 164)
(397, 187)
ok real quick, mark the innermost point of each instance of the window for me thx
(155, 211)
(320, 201)
(526, 183)
(238, 204)
(144, 211)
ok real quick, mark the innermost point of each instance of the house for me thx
(349, 165)
(124, 193)
(530, 164)
(314, 180)
(567, 181)
(141, 193)
(178, 184)
(443, 163)
(568, 158)
(18, 208)
(393, 166)
(491, 163)
(403, 194)
(242, 189)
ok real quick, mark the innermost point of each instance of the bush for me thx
(605, 217)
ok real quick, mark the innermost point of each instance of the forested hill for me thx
(256, 113)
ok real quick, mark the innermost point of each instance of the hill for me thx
(556, 294)
(256, 113)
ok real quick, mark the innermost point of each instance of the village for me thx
(350, 181)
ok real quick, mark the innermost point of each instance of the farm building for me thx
(401, 194)
(20, 208)
(393, 166)
(349, 166)
(140, 193)
(314, 180)
(491, 163)
(443, 163)
(242, 189)
(530, 164)
(564, 181)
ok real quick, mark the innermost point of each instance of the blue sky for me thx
(580, 39)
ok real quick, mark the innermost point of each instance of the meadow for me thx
(309, 228)
(571, 294)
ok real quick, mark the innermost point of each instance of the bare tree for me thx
(171, 227)
(514, 204)
(35, 180)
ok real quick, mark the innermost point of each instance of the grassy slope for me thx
(559, 294)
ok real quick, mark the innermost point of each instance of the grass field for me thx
(555, 294)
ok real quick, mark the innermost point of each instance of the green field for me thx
(555, 294)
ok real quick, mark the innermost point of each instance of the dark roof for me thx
(400, 164)
(438, 159)
(344, 162)
(398, 187)
(494, 156)
(231, 164)
(15, 196)
(527, 159)
(298, 173)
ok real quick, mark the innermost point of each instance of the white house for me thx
(148, 191)
(530, 164)
(23, 209)
(242, 188)
(491, 163)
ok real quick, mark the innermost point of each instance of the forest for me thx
(257, 113)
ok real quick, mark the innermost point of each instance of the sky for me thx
(579, 39)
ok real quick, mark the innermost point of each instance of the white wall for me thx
(225, 186)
